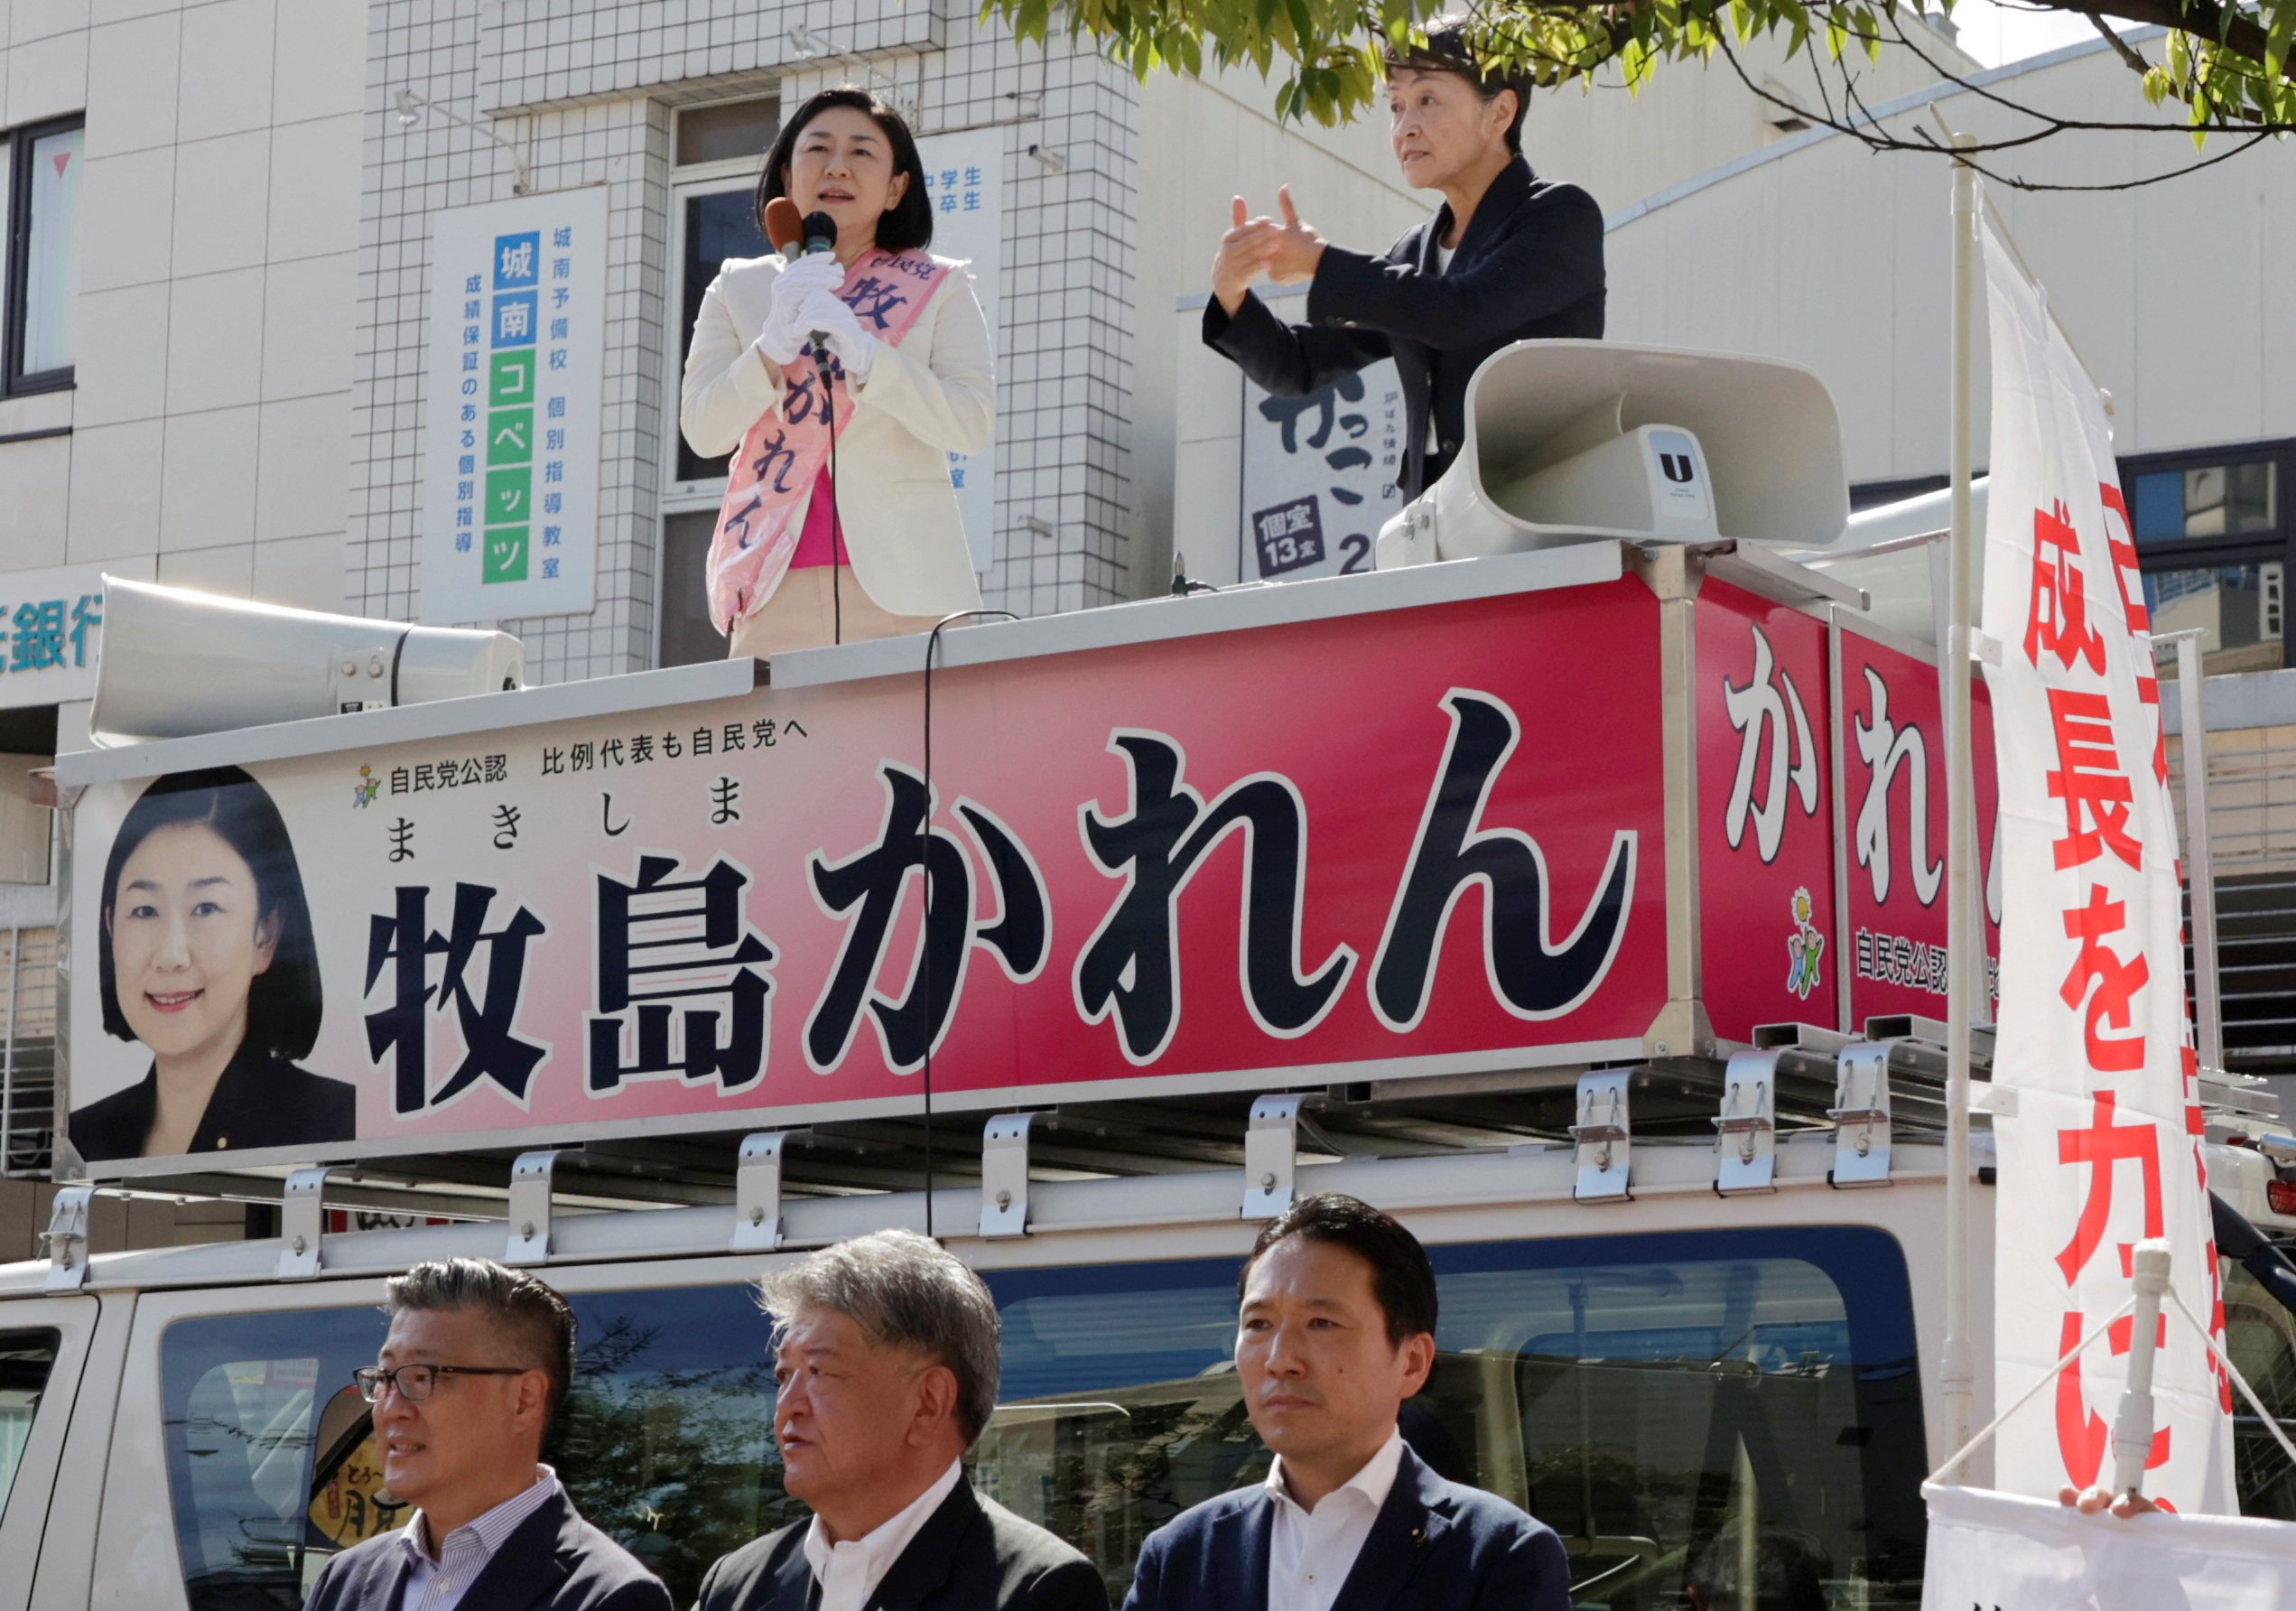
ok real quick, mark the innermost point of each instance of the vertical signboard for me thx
(517, 306)
(1319, 475)
(964, 175)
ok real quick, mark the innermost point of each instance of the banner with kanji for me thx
(2103, 1148)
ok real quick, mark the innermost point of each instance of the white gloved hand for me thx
(855, 349)
(783, 338)
(810, 272)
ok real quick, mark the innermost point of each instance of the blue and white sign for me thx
(51, 628)
(511, 413)
(964, 180)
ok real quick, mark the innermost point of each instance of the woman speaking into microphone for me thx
(840, 373)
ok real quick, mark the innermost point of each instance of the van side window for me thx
(26, 1357)
(1663, 1402)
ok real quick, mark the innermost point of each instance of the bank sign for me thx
(1371, 845)
(51, 630)
(510, 413)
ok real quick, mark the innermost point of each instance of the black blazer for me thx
(1529, 265)
(259, 1102)
(1435, 1544)
(971, 1555)
(553, 1561)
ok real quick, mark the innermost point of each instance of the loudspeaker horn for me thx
(175, 662)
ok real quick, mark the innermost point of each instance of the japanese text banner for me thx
(1370, 842)
(2104, 1148)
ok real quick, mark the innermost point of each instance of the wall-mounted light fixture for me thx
(411, 108)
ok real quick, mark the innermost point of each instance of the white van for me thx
(178, 1428)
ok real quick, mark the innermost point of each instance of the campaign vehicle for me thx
(1579, 904)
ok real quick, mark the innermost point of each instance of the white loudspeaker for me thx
(1575, 442)
(175, 662)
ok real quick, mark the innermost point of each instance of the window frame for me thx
(2242, 549)
(19, 142)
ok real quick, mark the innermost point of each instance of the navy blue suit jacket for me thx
(1529, 267)
(1435, 1543)
(554, 1561)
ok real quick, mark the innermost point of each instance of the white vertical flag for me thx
(2105, 1148)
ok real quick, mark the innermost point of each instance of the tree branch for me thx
(2121, 47)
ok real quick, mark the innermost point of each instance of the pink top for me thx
(816, 544)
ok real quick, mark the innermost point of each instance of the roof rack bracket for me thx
(1004, 1175)
(1745, 1138)
(302, 1219)
(757, 1193)
(67, 1238)
(1860, 1116)
(1604, 1135)
(1271, 1156)
(530, 1208)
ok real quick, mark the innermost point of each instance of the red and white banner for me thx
(2104, 1148)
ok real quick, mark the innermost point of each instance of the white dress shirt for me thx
(1311, 1552)
(849, 1572)
(440, 1585)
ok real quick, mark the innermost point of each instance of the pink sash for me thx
(783, 454)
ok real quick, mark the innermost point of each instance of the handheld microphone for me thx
(793, 233)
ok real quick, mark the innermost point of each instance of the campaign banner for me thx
(2010, 1552)
(510, 413)
(2103, 1148)
(1891, 735)
(1766, 814)
(1401, 854)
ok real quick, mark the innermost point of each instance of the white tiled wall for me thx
(210, 417)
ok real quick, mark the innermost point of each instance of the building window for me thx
(40, 166)
(2214, 539)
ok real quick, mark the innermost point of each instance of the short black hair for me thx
(1401, 1278)
(284, 1000)
(908, 225)
(1449, 50)
(536, 1323)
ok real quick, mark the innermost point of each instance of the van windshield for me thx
(1678, 1407)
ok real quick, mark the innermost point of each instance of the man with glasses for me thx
(475, 1365)
(885, 1359)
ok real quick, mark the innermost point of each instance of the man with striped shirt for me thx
(476, 1364)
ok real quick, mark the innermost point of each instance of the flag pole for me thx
(1957, 1374)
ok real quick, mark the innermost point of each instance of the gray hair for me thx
(533, 1320)
(903, 1292)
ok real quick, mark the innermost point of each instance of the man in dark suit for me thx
(1509, 257)
(1337, 1329)
(476, 1364)
(886, 1361)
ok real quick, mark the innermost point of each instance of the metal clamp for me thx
(1004, 1175)
(530, 1208)
(757, 1193)
(1271, 1156)
(1746, 1139)
(302, 1219)
(1605, 1136)
(67, 1238)
(1861, 1115)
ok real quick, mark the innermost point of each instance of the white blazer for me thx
(934, 394)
